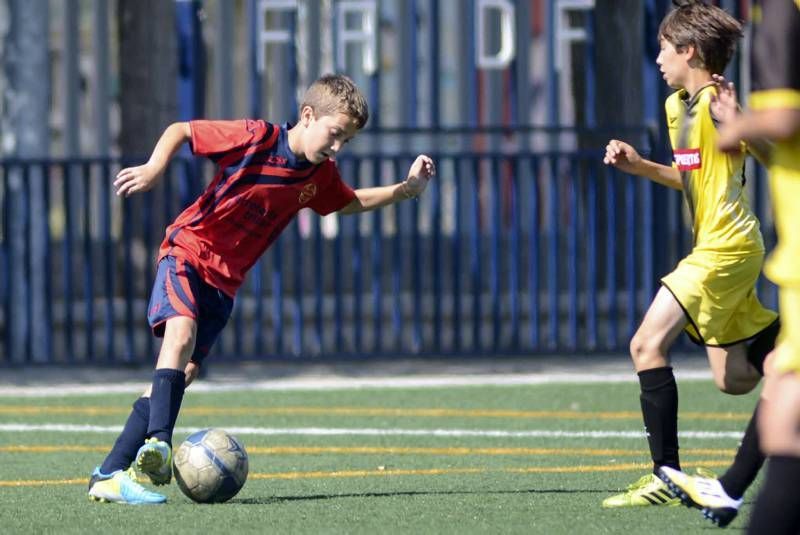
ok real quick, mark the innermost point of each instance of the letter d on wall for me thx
(503, 57)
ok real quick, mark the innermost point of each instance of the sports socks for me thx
(128, 442)
(747, 463)
(165, 402)
(777, 509)
(659, 399)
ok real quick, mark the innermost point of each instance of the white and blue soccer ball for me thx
(210, 466)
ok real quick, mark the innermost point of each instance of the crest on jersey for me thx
(308, 191)
(687, 159)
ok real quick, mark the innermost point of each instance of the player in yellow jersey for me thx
(711, 293)
(775, 116)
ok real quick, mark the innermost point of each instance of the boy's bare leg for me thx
(662, 324)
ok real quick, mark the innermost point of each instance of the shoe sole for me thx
(721, 516)
(149, 463)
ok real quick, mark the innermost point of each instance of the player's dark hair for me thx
(336, 93)
(709, 29)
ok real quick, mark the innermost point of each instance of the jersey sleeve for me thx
(214, 137)
(776, 56)
(335, 196)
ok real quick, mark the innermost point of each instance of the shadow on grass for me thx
(313, 497)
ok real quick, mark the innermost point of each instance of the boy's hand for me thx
(622, 156)
(136, 179)
(420, 172)
(724, 106)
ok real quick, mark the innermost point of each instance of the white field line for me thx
(321, 431)
(346, 383)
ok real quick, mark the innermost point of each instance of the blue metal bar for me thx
(338, 320)
(357, 266)
(494, 256)
(88, 264)
(47, 332)
(533, 252)
(648, 245)
(572, 256)
(69, 325)
(397, 270)
(318, 281)
(297, 298)
(475, 257)
(416, 278)
(108, 258)
(7, 257)
(630, 243)
(455, 249)
(377, 257)
(611, 255)
(410, 90)
(591, 259)
(514, 254)
(29, 262)
(553, 255)
(436, 258)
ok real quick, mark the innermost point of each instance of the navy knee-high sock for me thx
(128, 442)
(659, 399)
(746, 464)
(165, 402)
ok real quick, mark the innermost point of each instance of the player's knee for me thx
(735, 384)
(646, 353)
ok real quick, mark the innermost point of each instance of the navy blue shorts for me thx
(179, 291)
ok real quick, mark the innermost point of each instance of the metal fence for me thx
(516, 252)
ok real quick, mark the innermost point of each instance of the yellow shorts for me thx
(783, 266)
(718, 295)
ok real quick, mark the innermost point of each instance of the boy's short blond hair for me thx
(709, 29)
(336, 93)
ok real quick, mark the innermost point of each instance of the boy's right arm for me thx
(143, 177)
(625, 158)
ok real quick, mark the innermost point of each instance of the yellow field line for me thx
(379, 472)
(368, 450)
(362, 411)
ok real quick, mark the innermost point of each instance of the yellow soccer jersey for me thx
(715, 284)
(713, 181)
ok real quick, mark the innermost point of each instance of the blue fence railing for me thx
(506, 253)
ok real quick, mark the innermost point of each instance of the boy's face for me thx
(674, 64)
(324, 136)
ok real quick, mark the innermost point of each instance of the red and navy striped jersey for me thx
(259, 187)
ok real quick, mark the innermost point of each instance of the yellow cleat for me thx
(648, 490)
(154, 459)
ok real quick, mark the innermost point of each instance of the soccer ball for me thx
(210, 466)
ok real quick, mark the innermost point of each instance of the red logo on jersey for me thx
(687, 159)
(308, 191)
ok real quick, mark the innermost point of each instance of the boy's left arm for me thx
(415, 183)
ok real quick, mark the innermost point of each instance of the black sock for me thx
(777, 509)
(128, 442)
(659, 400)
(747, 463)
(165, 402)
